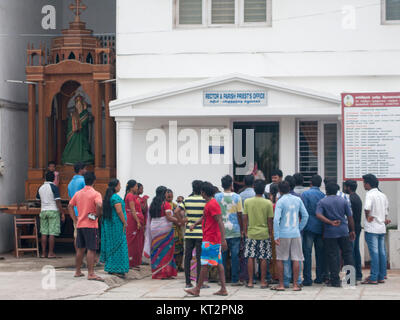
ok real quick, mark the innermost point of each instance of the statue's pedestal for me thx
(36, 178)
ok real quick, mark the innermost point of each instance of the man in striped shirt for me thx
(193, 206)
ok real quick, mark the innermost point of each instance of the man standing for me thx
(213, 240)
(376, 208)
(289, 211)
(89, 203)
(312, 234)
(276, 177)
(258, 224)
(248, 192)
(231, 207)
(193, 206)
(52, 167)
(299, 181)
(49, 196)
(332, 211)
(350, 187)
(76, 184)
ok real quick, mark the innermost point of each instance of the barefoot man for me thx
(213, 237)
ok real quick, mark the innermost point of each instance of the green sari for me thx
(78, 146)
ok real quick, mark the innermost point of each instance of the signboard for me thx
(371, 135)
(235, 98)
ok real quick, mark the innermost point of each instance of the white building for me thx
(301, 54)
(20, 23)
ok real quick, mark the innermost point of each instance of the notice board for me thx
(371, 135)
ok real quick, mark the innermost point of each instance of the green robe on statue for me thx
(78, 146)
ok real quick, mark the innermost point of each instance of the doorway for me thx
(266, 148)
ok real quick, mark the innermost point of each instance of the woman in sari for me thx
(178, 232)
(162, 237)
(136, 226)
(143, 202)
(114, 248)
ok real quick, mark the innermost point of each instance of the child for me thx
(213, 240)
(51, 167)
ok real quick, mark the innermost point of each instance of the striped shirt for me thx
(193, 206)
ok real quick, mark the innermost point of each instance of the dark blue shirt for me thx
(335, 208)
(310, 199)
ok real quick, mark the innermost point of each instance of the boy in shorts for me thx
(213, 240)
(290, 218)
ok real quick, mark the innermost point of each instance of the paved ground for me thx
(26, 279)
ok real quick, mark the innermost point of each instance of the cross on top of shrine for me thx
(77, 8)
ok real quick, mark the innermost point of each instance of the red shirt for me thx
(211, 230)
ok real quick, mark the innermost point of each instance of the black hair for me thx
(316, 180)
(331, 189)
(226, 182)
(273, 190)
(298, 177)
(283, 187)
(79, 166)
(259, 186)
(50, 176)
(277, 172)
(329, 180)
(208, 189)
(51, 162)
(291, 181)
(249, 180)
(216, 190)
(139, 185)
(196, 187)
(158, 200)
(371, 180)
(351, 184)
(169, 191)
(107, 208)
(129, 186)
(90, 178)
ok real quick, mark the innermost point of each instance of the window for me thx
(390, 11)
(203, 13)
(318, 149)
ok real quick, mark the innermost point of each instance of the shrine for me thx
(73, 85)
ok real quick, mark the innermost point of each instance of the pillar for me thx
(287, 145)
(59, 129)
(32, 126)
(125, 150)
(42, 128)
(98, 127)
(108, 123)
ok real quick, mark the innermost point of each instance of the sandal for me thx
(264, 286)
(276, 288)
(79, 276)
(297, 289)
(368, 281)
(219, 293)
(250, 287)
(97, 278)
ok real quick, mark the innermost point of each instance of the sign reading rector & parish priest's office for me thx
(235, 98)
(371, 135)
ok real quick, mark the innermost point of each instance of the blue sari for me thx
(114, 247)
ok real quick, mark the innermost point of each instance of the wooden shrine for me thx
(76, 60)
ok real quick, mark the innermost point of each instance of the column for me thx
(59, 129)
(287, 145)
(98, 144)
(125, 150)
(42, 127)
(32, 126)
(108, 120)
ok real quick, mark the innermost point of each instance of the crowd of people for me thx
(265, 232)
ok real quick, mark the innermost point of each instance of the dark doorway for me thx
(266, 148)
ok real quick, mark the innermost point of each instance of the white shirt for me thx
(48, 193)
(378, 205)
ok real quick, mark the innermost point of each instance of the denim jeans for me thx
(288, 273)
(234, 248)
(357, 256)
(310, 239)
(377, 252)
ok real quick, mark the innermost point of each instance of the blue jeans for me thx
(234, 248)
(310, 239)
(377, 252)
(287, 273)
(357, 256)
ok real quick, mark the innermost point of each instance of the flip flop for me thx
(205, 286)
(297, 289)
(192, 294)
(277, 289)
(368, 281)
(264, 287)
(220, 294)
(96, 279)
(55, 257)
(80, 276)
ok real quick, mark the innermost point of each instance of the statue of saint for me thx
(78, 145)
